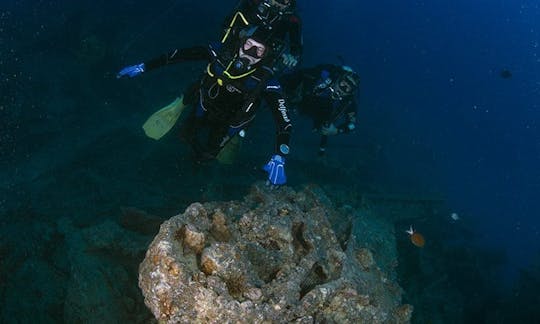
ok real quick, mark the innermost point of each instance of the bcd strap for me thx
(233, 22)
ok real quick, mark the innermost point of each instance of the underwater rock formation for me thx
(99, 288)
(270, 258)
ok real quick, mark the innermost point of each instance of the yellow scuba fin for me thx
(161, 122)
(228, 153)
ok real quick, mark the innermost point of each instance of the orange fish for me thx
(416, 238)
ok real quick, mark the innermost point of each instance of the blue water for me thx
(451, 121)
(433, 95)
(432, 100)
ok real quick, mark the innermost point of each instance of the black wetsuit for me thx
(225, 105)
(308, 90)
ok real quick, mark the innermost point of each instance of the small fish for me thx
(416, 238)
(455, 217)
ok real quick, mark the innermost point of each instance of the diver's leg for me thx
(218, 137)
(193, 124)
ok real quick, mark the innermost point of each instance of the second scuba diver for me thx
(327, 94)
(239, 75)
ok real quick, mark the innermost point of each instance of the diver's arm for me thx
(275, 98)
(276, 165)
(198, 53)
(187, 54)
(350, 124)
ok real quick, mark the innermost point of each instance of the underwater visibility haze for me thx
(437, 185)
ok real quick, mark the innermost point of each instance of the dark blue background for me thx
(433, 98)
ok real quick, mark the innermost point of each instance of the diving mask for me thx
(249, 54)
(345, 85)
(252, 50)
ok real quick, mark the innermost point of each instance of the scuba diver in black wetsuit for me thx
(327, 94)
(237, 78)
(279, 18)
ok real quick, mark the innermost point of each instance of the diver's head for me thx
(346, 84)
(254, 44)
(253, 49)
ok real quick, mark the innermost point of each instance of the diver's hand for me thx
(131, 71)
(276, 170)
(329, 130)
(289, 60)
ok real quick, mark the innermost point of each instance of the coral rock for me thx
(272, 258)
(219, 227)
(192, 238)
(365, 258)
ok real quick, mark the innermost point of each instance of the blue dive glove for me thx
(276, 170)
(131, 71)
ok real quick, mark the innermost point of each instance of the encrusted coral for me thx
(365, 258)
(271, 258)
